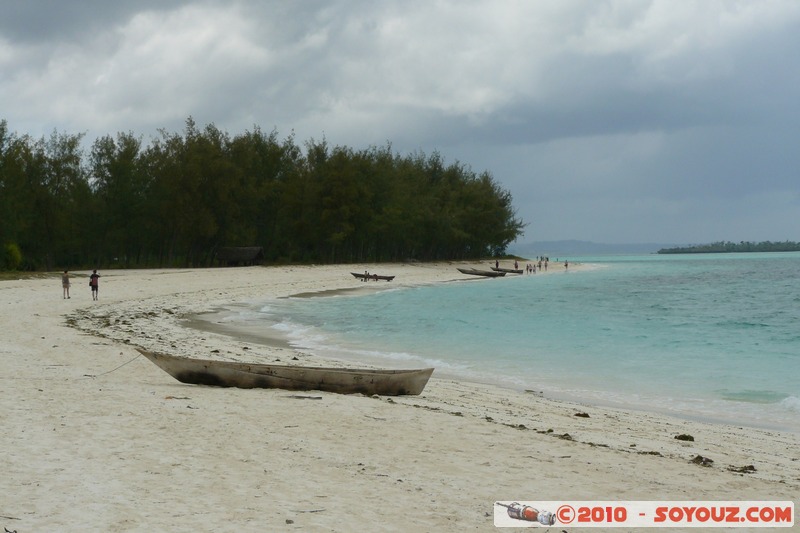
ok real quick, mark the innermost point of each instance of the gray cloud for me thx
(39, 22)
(612, 120)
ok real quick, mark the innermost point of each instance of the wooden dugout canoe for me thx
(485, 273)
(371, 277)
(508, 270)
(290, 377)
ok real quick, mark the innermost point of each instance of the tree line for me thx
(730, 247)
(178, 199)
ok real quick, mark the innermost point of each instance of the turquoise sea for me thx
(711, 336)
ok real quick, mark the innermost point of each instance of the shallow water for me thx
(712, 336)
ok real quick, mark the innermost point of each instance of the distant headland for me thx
(578, 248)
(724, 247)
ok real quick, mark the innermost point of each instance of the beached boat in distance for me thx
(485, 273)
(375, 277)
(508, 270)
(290, 377)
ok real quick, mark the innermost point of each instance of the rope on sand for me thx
(110, 371)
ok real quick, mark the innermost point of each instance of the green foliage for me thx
(730, 247)
(12, 257)
(177, 200)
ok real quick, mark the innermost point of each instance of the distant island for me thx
(730, 247)
(573, 248)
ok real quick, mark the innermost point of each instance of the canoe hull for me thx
(508, 270)
(484, 273)
(288, 377)
(371, 277)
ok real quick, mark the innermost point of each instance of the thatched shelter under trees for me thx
(240, 255)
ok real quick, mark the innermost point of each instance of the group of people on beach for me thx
(530, 268)
(94, 282)
(541, 262)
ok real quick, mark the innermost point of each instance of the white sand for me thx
(90, 445)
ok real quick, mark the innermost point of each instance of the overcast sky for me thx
(610, 121)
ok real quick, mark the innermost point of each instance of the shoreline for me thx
(262, 333)
(244, 333)
(97, 438)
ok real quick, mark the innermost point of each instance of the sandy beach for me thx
(97, 438)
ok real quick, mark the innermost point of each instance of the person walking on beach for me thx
(93, 283)
(65, 284)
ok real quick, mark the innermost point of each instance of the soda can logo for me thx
(527, 513)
